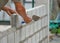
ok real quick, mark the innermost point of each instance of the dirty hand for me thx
(8, 10)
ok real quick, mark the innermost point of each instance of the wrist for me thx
(25, 16)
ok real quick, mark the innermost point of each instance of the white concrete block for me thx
(23, 33)
(4, 40)
(4, 28)
(26, 41)
(33, 39)
(37, 37)
(40, 35)
(11, 38)
(35, 27)
(28, 29)
(46, 20)
(17, 36)
(43, 22)
(39, 24)
(32, 28)
(30, 40)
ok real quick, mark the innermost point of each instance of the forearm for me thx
(22, 12)
(20, 9)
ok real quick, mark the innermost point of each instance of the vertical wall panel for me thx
(26, 41)
(46, 20)
(33, 39)
(23, 33)
(4, 39)
(17, 36)
(28, 29)
(43, 22)
(40, 35)
(11, 38)
(29, 40)
(31, 29)
(37, 37)
(39, 24)
(35, 27)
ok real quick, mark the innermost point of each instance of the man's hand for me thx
(8, 10)
(3, 3)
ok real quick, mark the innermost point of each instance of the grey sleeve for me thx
(16, 0)
(3, 3)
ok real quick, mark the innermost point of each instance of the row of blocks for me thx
(26, 31)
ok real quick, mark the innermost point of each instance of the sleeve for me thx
(3, 3)
(15, 0)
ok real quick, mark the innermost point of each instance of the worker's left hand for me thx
(8, 10)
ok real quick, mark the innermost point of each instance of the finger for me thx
(8, 12)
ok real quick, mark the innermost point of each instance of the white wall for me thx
(34, 32)
(39, 2)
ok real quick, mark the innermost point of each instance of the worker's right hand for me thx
(22, 12)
